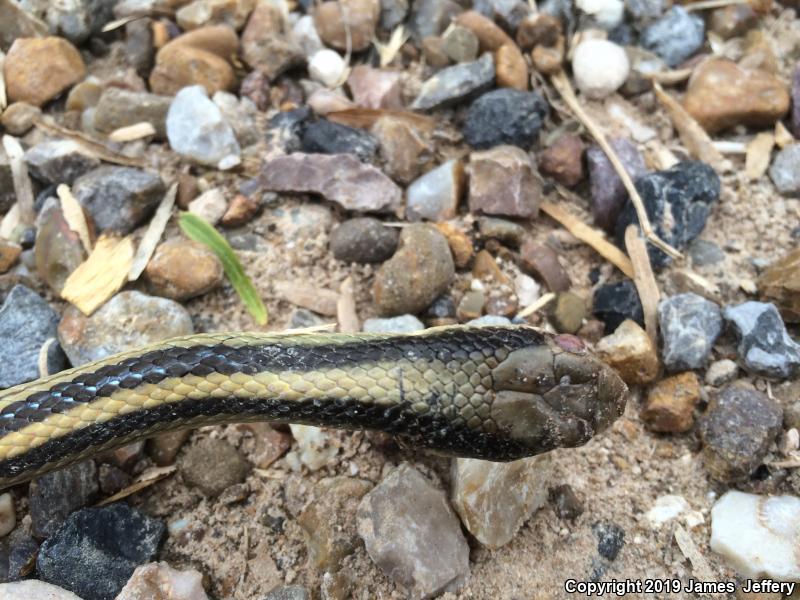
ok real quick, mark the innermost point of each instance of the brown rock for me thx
(18, 118)
(240, 211)
(433, 49)
(270, 444)
(780, 283)
(188, 190)
(631, 352)
(256, 87)
(721, 94)
(489, 35)
(510, 67)
(220, 40)
(486, 268)
(212, 466)
(732, 21)
(38, 69)
(182, 269)
(362, 16)
(375, 88)
(502, 181)
(471, 305)
(9, 253)
(541, 261)
(459, 242)
(670, 403)
(539, 29)
(267, 43)
(404, 149)
(181, 66)
(548, 60)
(165, 447)
(568, 312)
(563, 160)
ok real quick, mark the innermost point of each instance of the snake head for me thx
(555, 395)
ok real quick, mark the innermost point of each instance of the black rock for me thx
(325, 137)
(96, 550)
(678, 202)
(54, 496)
(59, 161)
(505, 116)
(26, 323)
(565, 502)
(610, 539)
(615, 302)
(21, 556)
(286, 127)
(119, 198)
(363, 240)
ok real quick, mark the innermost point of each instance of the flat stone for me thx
(55, 496)
(412, 534)
(471, 305)
(631, 352)
(785, 171)
(613, 303)
(435, 195)
(119, 108)
(327, 137)
(780, 283)
(502, 181)
(705, 253)
(267, 41)
(210, 205)
(690, 325)
(505, 116)
(59, 161)
(341, 178)
(675, 36)
(182, 269)
(362, 17)
(212, 466)
(563, 160)
(608, 193)
(406, 152)
(363, 240)
(401, 324)
(39, 69)
(58, 250)
(455, 84)
(670, 404)
(721, 94)
(541, 261)
(159, 581)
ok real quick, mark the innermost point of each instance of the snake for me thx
(497, 393)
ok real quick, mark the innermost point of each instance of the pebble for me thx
(404, 149)
(705, 253)
(19, 117)
(393, 13)
(737, 430)
(59, 161)
(326, 137)
(375, 88)
(690, 325)
(18, 22)
(7, 194)
(495, 499)
(503, 181)
(435, 195)
(505, 116)
(159, 581)
(540, 28)
(139, 50)
(118, 107)
(212, 466)
(119, 198)
(315, 448)
(433, 51)
(757, 534)
(613, 303)
(507, 232)
(549, 60)
(199, 57)
(460, 243)
(84, 95)
(164, 448)
(363, 240)
(563, 160)
(676, 36)
(8, 517)
(241, 115)
(665, 509)
(182, 269)
(267, 42)
(401, 324)
(608, 193)
(58, 250)
(610, 539)
(341, 178)
(108, 543)
(566, 503)
(328, 521)
(429, 17)
(26, 323)
(460, 44)
(305, 34)
(785, 171)
(600, 67)
(765, 347)
(511, 70)
(526, 289)
(288, 592)
(780, 283)
(129, 320)
(197, 130)
(39, 69)
(568, 312)
(362, 17)
(413, 535)
(240, 211)
(55, 496)
(489, 321)
(455, 84)
(328, 67)
(678, 202)
(721, 372)
(419, 272)
(670, 404)
(490, 35)
(542, 262)
(631, 352)
(34, 589)
(721, 95)
(22, 553)
(471, 305)
(732, 21)
(9, 253)
(210, 206)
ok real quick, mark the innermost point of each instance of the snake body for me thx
(496, 393)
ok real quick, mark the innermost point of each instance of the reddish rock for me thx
(541, 261)
(563, 160)
(502, 181)
(362, 16)
(9, 253)
(220, 40)
(37, 70)
(240, 211)
(459, 242)
(375, 88)
(670, 403)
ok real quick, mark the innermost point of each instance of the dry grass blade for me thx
(710, 4)
(365, 118)
(10, 222)
(671, 77)
(90, 145)
(101, 275)
(119, 23)
(146, 479)
(563, 86)
(782, 136)
(759, 152)
(154, 232)
(3, 96)
(74, 216)
(536, 306)
(694, 137)
(589, 235)
(316, 299)
(389, 51)
(644, 280)
(690, 550)
(22, 183)
(44, 351)
(346, 308)
(131, 133)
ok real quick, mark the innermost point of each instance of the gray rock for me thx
(55, 496)
(412, 534)
(58, 250)
(32, 589)
(59, 161)
(737, 430)
(241, 114)
(456, 83)
(119, 107)
(363, 240)
(139, 49)
(675, 36)
(21, 554)
(488, 320)
(301, 318)
(765, 347)
(7, 194)
(212, 466)
(430, 17)
(327, 137)
(785, 171)
(705, 253)
(197, 130)
(510, 13)
(645, 11)
(119, 198)
(15, 22)
(393, 12)
(77, 20)
(288, 592)
(508, 232)
(401, 324)
(26, 322)
(503, 181)
(129, 320)
(435, 195)
(460, 44)
(608, 193)
(690, 325)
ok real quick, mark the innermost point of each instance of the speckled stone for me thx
(690, 325)
(675, 36)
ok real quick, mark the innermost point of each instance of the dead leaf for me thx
(153, 234)
(74, 216)
(388, 51)
(759, 152)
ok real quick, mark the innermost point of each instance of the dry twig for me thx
(22, 183)
(644, 280)
(759, 151)
(146, 479)
(536, 306)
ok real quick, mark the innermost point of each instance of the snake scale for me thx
(495, 393)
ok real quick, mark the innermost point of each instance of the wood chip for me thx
(365, 118)
(22, 182)
(759, 152)
(536, 306)
(101, 275)
(153, 234)
(782, 136)
(689, 549)
(588, 235)
(644, 280)
(137, 131)
(693, 136)
(74, 216)
(319, 300)
(90, 145)
(390, 49)
(144, 481)
(346, 308)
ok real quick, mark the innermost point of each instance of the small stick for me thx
(644, 280)
(22, 182)
(536, 306)
(708, 4)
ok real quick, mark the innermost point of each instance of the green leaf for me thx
(202, 231)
